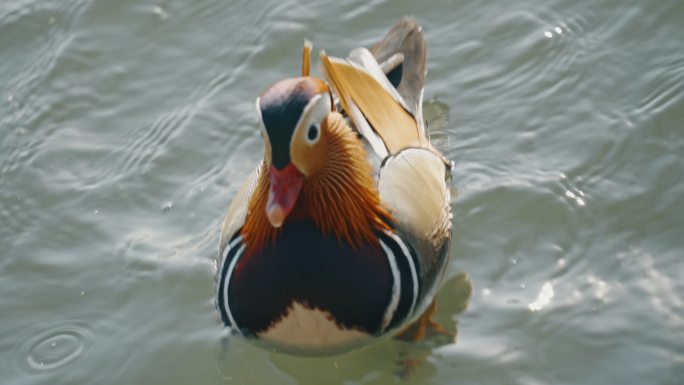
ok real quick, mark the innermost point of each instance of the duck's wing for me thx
(413, 176)
(414, 186)
(376, 106)
(413, 183)
(237, 211)
(372, 103)
(381, 89)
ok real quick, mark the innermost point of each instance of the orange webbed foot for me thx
(418, 331)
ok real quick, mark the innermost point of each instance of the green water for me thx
(127, 126)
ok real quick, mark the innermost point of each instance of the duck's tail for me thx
(403, 56)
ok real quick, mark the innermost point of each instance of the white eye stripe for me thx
(257, 104)
(314, 113)
(320, 107)
(262, 126)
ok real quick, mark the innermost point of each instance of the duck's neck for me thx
(342, 199)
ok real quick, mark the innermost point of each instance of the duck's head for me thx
(293, 116)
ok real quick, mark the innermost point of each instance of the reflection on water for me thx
(126, 127)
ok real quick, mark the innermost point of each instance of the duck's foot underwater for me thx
(419, 330)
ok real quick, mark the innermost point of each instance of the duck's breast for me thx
(306, 288)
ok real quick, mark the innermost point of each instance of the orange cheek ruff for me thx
(284, 189)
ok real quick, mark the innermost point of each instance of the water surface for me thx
(126, 127)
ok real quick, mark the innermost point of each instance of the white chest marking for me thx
(310, 328)
(229, 274)
(396, 286)
(412, 266)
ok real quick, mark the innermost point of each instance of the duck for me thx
(341, 235)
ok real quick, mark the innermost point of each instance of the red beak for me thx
(282, 193)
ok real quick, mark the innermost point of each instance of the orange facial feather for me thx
(341, 200)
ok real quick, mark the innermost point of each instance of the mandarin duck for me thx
(342, 232)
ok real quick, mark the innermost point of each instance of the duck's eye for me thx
(313, 133)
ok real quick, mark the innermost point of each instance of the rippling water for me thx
(126, 127)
